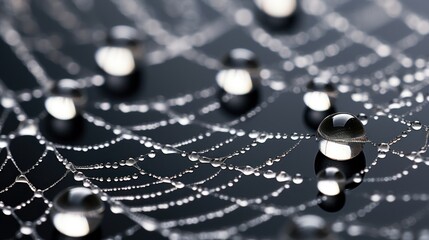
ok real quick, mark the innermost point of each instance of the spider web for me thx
(217, 176)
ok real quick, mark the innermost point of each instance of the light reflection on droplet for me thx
(277, 8)
(77, 211)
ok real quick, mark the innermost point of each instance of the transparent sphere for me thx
(308, 227)
(342, 136)
(77, 211)
(331, 181)
(277, 8)
(240, 72)
(65, 99)
(320, 94)
(118, 56)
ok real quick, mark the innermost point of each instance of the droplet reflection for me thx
(344, 175)
(342, 136)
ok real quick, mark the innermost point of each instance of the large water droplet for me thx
(77, 211)
(65, 100)
(240, 72)
(341, 136)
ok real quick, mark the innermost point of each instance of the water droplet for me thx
(363, 118)
(239, 74)
(130, 162)
(118, 57)
(308, 227)
(193, 156)
(8, 102)
(331, 181)
(297, 179)
(66, 99)
(416, 125)
(384, 147)
(277, 9)
(116, 208)
(320, 94)
(79, 176)
(22, 179)
(7, 210)
(342, 136)
(77, 211)
(38, 193)
(28, 128)
(26, 228)
(269, 174)
(283, 177)
(247, 170)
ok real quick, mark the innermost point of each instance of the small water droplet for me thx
(246, 170)
(7, 210)
(130, 162)
(416, 125)
(297, 179)
(26, 228)
(283, 177)
(79, 176)
(22, 179)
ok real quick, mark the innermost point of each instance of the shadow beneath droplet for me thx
(237, 105)
(332, 203)
(59, 130)
(124, 86)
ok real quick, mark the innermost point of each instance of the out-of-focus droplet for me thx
(77, 211)
(320, 94)
(240, 72)
(65, 99)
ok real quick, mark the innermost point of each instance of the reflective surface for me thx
(174, 155)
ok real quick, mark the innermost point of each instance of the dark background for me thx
(179, 76)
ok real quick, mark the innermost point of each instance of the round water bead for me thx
(320, 94)
(77, 211)
(331, 181)
(240, 72)
(277, 8)
(308, 227)
(342, 136)
(65, 99)
(118, 56)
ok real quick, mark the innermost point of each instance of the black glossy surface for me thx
(178, 76)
